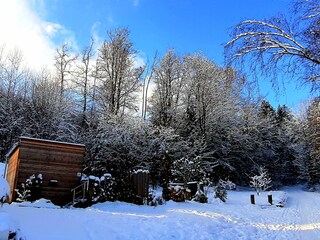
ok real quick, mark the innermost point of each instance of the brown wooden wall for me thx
(55, 161)
(12, 171)
(141, 183)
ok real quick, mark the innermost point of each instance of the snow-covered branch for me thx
(270, 44)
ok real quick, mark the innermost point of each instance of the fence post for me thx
(270, 198)
(252, 199)
(141, 183)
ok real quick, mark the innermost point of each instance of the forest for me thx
(181, 116)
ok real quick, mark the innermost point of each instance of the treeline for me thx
(200, 123)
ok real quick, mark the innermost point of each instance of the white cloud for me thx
(52, 28)
(22, 27)
(138, 61)
(95, 34)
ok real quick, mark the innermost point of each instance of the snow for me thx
(2, 167)
(41, 203)
(140, 171)
(4, 186)
(7, 224)
(235, 219)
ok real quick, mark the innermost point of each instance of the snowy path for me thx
(304, 208)
(236, 219)
(299, 219)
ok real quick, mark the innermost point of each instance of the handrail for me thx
(84, 188)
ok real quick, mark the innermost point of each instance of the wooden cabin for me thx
(59, 163)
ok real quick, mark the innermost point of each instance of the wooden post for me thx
(73, 196)
(270, 198)
(252, 199)
(141, 183)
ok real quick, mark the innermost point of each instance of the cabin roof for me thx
(12, 149)
(51, 141)
(43, 141)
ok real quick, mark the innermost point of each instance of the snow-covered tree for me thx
(166, 97)
(261, 182)
(313, 139)
(186, 170)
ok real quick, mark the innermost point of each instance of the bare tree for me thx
(13, 73)
(84, 78)
(146, 83)
(281, 43)
(119, 79)
(166, 97)
(63, 64)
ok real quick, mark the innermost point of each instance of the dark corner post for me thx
(270, 198)
(252, 199)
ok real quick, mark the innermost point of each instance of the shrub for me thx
(101, 189)
(29, 191)
(154, 199)
(200, 197)
(220, 191)
(261, 182)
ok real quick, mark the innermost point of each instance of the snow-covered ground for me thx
(235, 219)
(2, 166)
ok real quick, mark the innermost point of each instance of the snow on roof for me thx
(51, 141)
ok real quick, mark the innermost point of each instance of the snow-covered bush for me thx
(200, 197)
(29, 191)
(261, 182)
(228, 185)
(24, 193)
(220, 191)
(185, 170)
(106, 190)
(101, 189)
(155, 199)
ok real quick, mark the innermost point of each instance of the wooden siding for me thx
(141, 183)
(55, 161)
(12, 172)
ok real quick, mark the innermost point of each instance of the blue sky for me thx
(188, 26)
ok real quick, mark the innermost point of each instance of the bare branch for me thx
(274, 44)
